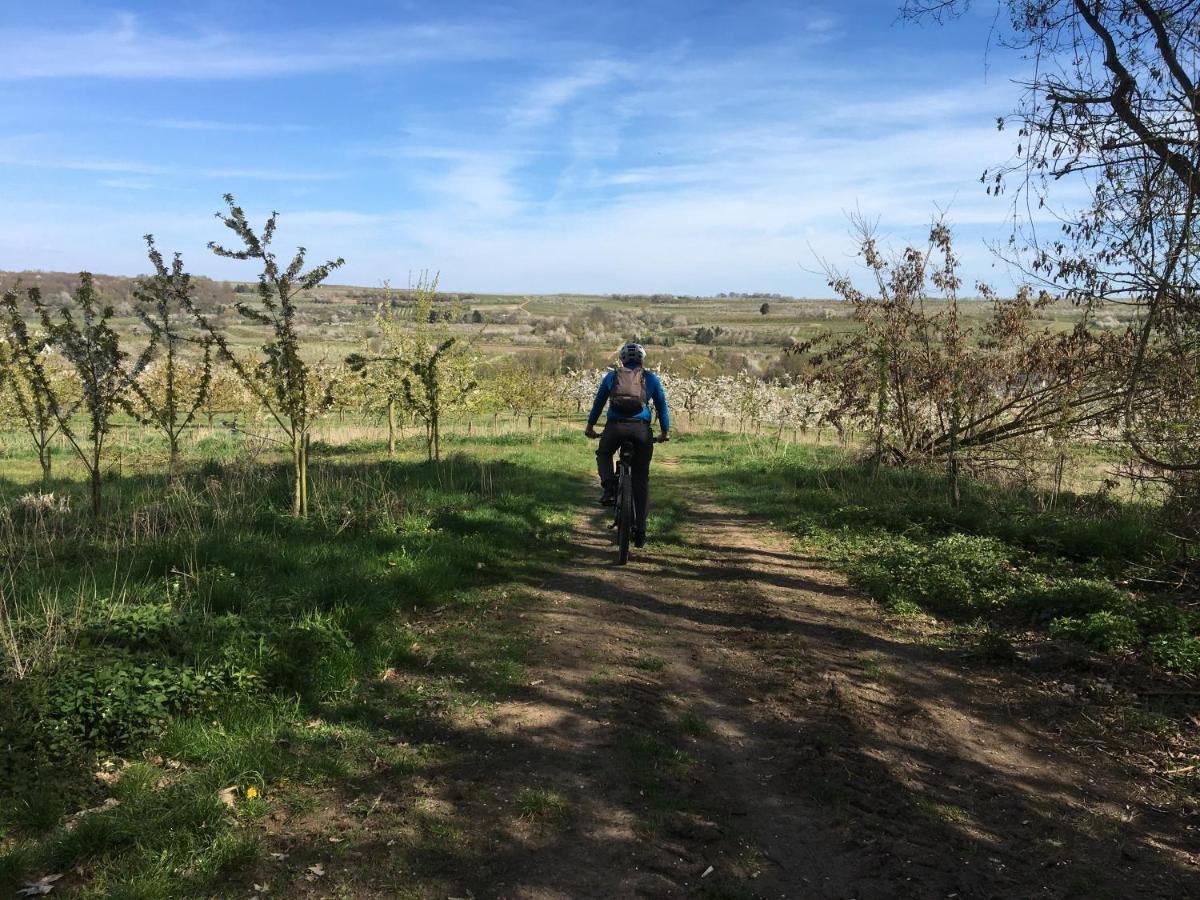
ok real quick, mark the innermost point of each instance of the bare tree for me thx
(1113, 104)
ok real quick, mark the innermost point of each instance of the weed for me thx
(694, 725)
(650, 663)
(542, 805)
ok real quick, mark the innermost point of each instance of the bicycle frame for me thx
(625, 510)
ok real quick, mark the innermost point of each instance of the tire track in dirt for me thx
(725, 718)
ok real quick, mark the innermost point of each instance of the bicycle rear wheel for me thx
(624, 515)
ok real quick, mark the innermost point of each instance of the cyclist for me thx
(628, 390)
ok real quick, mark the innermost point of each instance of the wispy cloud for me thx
(125, 49)
(213, 125)
(545, 162)
(543, 100)
(38, 151)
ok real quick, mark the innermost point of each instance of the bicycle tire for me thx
(624, 515)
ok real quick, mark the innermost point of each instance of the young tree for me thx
(82, 333)
(1112, 107)
(283, 383)
(931, 389)
(434, 370)
(520, 389)
(171, 392)
(33, 386)
(383, 381)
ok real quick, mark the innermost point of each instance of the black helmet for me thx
(632, 352)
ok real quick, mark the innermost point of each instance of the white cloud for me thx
(671, 170)
(38, 151)
(125, 49)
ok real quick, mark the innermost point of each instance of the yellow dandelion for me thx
(251, 793)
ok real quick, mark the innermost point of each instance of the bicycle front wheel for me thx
(624, 517)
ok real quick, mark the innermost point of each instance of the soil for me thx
(724, 717)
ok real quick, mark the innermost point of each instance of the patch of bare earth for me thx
(725, 718)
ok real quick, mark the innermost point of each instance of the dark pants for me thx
(638, 433)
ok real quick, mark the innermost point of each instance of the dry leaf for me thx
(39, 888)
(707, 872)
(75, 819)
(317, 870)
(228, 796)
(278, 856)
(336, 840)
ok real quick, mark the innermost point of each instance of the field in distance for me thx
(726, 332)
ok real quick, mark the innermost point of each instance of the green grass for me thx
(542, 805)
(198, 639)
(213, 641)
(1001, 559)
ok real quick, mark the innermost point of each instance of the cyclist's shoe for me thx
(609, 497)
(639, 539)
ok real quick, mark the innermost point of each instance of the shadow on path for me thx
(725, 718)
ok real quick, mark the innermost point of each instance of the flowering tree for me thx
(82, 333)
(282, 382)
(170, 394)
(420, 365)
(33, 383)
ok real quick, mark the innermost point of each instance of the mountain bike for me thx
(626, 514)
(624, 509)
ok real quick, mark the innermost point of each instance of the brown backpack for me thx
(628, 395)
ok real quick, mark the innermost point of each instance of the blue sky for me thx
(674, 146)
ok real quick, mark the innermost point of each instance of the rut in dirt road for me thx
(725, 718)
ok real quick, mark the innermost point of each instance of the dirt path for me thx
(725, 718)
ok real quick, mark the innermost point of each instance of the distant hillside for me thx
(211, 295)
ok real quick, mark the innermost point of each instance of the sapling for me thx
(171, 393)
(435, 370)
(282, 383)
(32, 387)
(82, 333)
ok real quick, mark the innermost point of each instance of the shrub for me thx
(957, 575)
(113, 702)
(1177, 651)
(1074, 597)
(135, 626)
(1104, 630)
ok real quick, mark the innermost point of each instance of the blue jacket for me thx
(654, 390)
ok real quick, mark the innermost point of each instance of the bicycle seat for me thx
(627, 449)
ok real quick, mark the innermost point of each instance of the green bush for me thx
(1103, 630)
(135, 625)
(1074, 597)
(957, 575)
(113, 702)
(1177, 651)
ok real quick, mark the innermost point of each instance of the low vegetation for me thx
(1090, 569)
(200, 658)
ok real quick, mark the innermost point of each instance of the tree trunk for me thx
(44, 461)
(95, 481)
(391, 419)
(304, 476)
(297, 477)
